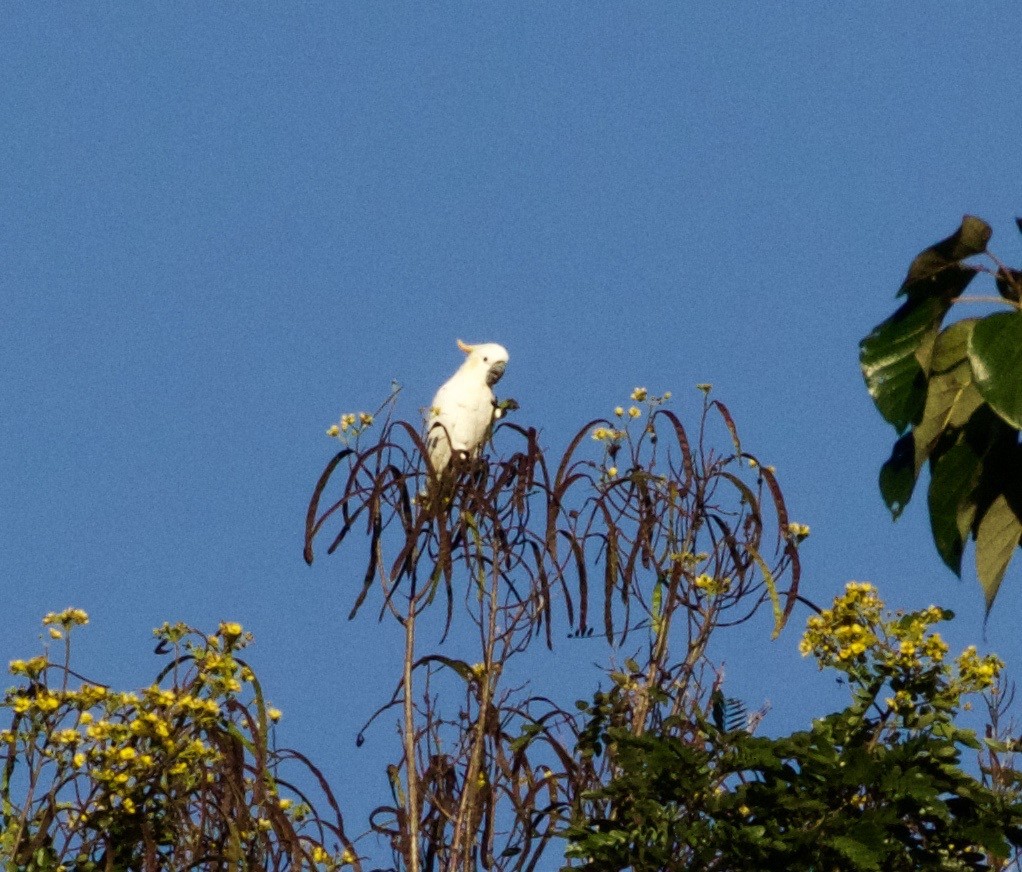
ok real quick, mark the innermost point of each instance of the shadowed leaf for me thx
(969, 239)
(898, 476)
(951, 396)
(1009, 284)
(996, 539)
(995, 350)
(952, 504)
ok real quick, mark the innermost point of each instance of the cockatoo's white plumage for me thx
(463, 408)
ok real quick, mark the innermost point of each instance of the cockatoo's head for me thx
(489, 358)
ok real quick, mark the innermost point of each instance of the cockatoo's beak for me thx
(494, 373)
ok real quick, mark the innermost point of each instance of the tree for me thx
(954, 396)
(644, 532)
(876, 786)
(663, 536)
(181, 775)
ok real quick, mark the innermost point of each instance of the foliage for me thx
(638, 534)
(661, 536)
(179, 775)
(876, 786)
(954, 396)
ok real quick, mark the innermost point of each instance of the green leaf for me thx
(969, 239)
(895, 359)
(898, 476)
(996, 539)
(951, 396)
(995, 351)
(952, 500)
(859, 854)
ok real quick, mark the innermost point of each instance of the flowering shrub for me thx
(878, 785)
(178, 773)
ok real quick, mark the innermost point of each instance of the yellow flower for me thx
(274, 714)
(47, 702)
(639, 394)
(618, 411)
(55, 633)
(365, 419)
(230, 629)
(634, 412)
(612, 471)
(78, 760)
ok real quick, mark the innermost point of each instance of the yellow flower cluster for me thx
(978, 673)
(62, 622)
(857, 636)
(67, 619)
(712, 586)
(798, 532)
(843, 633)
(120, 754)
(613, 436)
(350, 425)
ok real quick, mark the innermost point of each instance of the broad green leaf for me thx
(898, 476)
(996, 539)
(995, 351)
(969, 239)
(895, 359)
(951, 396)
(953, 479)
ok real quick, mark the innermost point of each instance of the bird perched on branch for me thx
(464, 407)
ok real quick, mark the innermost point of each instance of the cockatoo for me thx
(464, 407)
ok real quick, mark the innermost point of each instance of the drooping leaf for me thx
(969, 239)
(951, 396)
(898, 476)
(999, 532)
(995, 351)
(953, 479)
(895, 359)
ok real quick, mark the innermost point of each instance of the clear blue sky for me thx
(223, 224)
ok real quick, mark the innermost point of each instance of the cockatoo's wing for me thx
(463, 408)
(462, 412)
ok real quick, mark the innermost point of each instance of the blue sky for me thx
(222, 225)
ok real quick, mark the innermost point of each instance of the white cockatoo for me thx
(464, 407)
